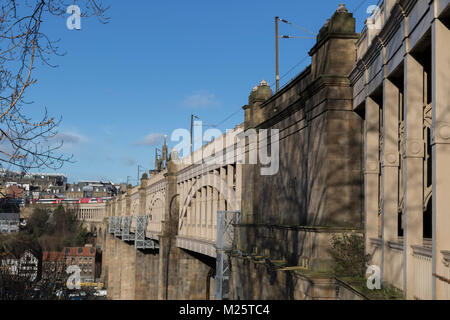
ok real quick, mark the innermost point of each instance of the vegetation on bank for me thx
(350, 265)
(348, 255)
(360, 285)
(45, 231)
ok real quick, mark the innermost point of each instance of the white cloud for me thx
(152, 139)
(128, 161)
(201, 99)
(70, 138)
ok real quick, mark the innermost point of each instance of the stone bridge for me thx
(363, 139)
(162, 234)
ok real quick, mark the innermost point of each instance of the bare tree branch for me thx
(25, 142)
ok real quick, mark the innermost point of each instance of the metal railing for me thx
(443, 281)
(118, 226)
(224, 242)
(141, 241)
(126, 236)
(423, 275)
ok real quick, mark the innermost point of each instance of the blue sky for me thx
(122, 85)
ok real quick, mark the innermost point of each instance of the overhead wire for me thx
(285, 74)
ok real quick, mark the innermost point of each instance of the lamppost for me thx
(192, 129)
(277, 37)
(128, 178)
(139, 167)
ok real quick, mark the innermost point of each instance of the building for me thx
(35, 185)
(86, 258)
(15, 192)
(9, 222)
(25, 267)
(91, 189)
(401, 89)
(290, 216)
(53, 265)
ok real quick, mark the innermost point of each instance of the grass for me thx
(360, 285)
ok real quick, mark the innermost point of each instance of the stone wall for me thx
(253, 280)
(317, 191)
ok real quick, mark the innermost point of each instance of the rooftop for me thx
(79, 251)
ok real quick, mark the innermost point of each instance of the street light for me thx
(139, 166)
(192, 128)
(277, 37)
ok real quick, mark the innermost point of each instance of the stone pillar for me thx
(189, 215)
(142, 198)
(197, 213)
(146, 275)
(128, 264)
(215, 207)
(140, 277)
(122, 256)
(116, 270)
(223, 177)
(230, 182)
(238, 184)
(169, 230)
(441, 149)
(107, 262)
(209, 210)
(412, 153)
(204, 213)
(390, 167)
(127, 204)
(191, 210)
(372, 171)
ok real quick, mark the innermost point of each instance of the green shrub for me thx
(348, 254)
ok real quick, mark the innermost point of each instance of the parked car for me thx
(100, 293)
(75, 296)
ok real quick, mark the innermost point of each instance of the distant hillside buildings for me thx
(87, 258)
(91, 189)
(9, 222)
(27, 186)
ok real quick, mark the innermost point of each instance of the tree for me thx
(25, 142)
(18, 282)
(348, 254)
(45, 231)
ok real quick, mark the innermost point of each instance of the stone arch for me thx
(209, 180)
(155, 210)
(134, 205)
(155, 197)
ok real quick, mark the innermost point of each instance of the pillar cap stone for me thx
(341, 25)
(342, 8)
(174, 154)
(261, 92)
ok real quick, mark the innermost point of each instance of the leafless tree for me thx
(20, 282)
(25, 142)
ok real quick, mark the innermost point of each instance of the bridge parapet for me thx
(91, 212)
